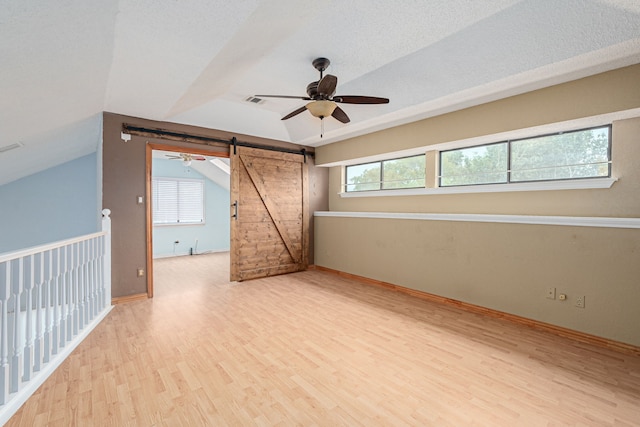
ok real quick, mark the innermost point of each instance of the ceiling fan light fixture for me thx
(321, 109)
(187, 162)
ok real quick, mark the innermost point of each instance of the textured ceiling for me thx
(196, 61)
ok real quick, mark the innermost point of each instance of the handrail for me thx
(9, 256)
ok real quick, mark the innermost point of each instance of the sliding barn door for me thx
(269, 208)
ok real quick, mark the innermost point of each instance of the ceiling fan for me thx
(186, 158)
(323, 101)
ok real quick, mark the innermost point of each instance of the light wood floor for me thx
(315, 349)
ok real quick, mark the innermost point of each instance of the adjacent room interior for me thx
(190, 206)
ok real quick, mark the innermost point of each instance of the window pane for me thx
(363, 177)
(486, 164)
(176, 201)
(408, 172)
(165, 207)
(581, 154)
(190, 202)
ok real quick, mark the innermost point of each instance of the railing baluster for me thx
(55, 330)
(39, 341)
(87, 283)
(46, 291)
(16, 358)
(28, 347)
(5, 281)
(82, 279)
(100, 263)
(67, 275)
(62, 325)
(86, 266)
(93, 279)
(69, 286)
(76, 299)
(66, 284)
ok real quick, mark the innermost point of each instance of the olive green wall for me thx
(502, 266)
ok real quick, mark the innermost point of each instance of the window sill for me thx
(576, 184)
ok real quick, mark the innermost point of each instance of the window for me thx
(406, 172)
(485, 164)
(568, 155)
(177, 201)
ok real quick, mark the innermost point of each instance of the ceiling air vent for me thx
(254, 100)
(10, 147)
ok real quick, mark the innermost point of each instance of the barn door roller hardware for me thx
(206, 140)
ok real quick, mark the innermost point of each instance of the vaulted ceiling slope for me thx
(195, 62)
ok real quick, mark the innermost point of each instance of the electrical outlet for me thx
(580, 301)
(551, 293)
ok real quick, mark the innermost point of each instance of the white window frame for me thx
(180, 200)
(509, 181)
(433, 150)
(382, 181)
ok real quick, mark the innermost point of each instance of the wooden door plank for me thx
(271, 206)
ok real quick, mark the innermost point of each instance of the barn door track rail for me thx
(207, 140)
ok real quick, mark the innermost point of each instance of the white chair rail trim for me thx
(607, 222)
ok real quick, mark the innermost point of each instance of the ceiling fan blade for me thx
(306, 98)
(294, 113)
(173, 157)
(355, 99)
(327, 86)
(340, 115)
(198, 158)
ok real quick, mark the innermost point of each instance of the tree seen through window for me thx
(569, 155)
(407, 172)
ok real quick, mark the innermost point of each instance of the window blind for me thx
(177, 201)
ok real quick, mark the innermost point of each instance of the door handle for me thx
(235, 210)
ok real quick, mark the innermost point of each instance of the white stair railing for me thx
(51, 297)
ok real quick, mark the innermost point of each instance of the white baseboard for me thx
(213, 251)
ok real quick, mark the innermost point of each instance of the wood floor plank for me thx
(313, 348)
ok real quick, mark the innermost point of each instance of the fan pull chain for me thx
(321, 126)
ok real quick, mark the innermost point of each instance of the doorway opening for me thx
(187, 205)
